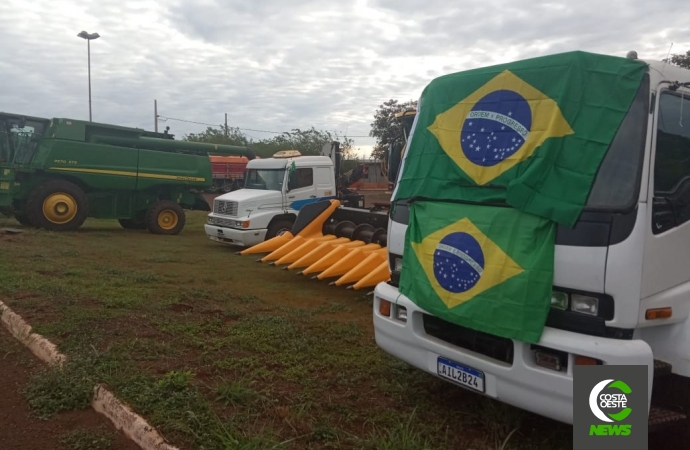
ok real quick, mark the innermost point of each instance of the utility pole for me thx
(226, 125)
(155, 115)
(89, 37)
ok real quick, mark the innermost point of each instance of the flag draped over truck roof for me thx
(531, 133)
(497, 158)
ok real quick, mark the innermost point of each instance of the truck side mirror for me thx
(292, 181)
(672, 210)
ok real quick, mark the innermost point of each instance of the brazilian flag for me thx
(530, 134)
(487, 268)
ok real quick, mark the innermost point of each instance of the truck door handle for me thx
(312, 196)
(291, 196)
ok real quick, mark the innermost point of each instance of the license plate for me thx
(460, 374)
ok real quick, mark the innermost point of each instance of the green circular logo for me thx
(597, 400)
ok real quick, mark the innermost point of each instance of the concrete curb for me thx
(39, 346)
(103, 402)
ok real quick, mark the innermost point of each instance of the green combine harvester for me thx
(56, 173)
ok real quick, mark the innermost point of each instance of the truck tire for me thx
(132, 224)
(165, 217)
(57, 205)
(278, 227)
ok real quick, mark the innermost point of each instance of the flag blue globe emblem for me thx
(458, 262)
(496, 127)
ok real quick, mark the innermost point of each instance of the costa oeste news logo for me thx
(610, 407)
(602, 404)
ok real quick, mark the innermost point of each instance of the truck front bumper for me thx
(521, 383)
(234, 236)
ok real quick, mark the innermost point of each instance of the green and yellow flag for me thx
(530, 134)
(483, 267)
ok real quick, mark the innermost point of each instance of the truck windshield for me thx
(617, 184)
(266, 179)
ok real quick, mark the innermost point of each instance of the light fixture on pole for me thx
(89, 37)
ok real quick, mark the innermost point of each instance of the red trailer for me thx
(228, 172)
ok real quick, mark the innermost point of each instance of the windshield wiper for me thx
(675, 85)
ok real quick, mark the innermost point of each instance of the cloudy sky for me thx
(280, 64)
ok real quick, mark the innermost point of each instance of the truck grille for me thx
(225, 208)
(494, 347)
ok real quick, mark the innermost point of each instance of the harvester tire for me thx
(278, 227)
(57, 205)
(165, 217)
(132, 224)
(22, 219)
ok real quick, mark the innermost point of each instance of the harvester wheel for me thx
(277, 228)
(165, 217)
(57, 205)
(132, 224)
(22, 219)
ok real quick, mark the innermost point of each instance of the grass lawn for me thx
(220, 352)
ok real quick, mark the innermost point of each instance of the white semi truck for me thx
(275, 189)
(621, 287)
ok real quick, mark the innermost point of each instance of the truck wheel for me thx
(57, 205)
(132, 224)
(165, 217)
(278, 227)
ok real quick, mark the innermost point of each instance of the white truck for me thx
(275, 189)
(621, 288)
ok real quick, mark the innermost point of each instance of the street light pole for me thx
(89, 37)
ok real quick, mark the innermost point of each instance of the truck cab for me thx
(275, 189)
(621, 287)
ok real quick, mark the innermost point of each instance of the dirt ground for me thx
(22, 431)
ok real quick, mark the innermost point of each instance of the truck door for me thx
(667, 250)
(301, 187)
(325, 186)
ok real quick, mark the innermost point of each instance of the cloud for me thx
(284, 64)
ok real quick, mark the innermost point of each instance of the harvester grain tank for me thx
(56, 173)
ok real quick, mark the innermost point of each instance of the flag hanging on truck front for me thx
(486, 268)
(531, 134)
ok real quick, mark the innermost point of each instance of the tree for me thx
(385, 128)
(218, 136)
(682, 60)
(307, 142)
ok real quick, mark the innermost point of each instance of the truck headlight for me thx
(585, 304)
(401, 313)
(397, 264)
(559, 300)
